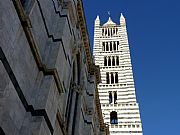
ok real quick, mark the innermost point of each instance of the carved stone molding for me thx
(77, 88)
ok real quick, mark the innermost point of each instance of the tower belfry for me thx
(117, 90)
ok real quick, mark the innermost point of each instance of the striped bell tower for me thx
(116, 91)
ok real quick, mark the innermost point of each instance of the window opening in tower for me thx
(110, 97)
(110, 46)
(115, 97)
(107, 78)
(116, 77)
(109, 61)
(117, 60)
(105, 61)
(114, 44)
(113, 61)
(112, 78)
(113, 117)
(107, 47)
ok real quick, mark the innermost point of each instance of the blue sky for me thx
(154, 38)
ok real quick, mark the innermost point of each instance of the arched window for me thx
(112, 78)
(107, 78)
(105, 61)
(113, 117)
(110, 97)
(116, 77)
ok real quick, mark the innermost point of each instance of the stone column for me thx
(109, 77)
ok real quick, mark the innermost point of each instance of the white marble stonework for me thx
(116, 90)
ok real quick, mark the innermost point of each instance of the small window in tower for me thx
(113, 61)
(110, 46)
(116, 77)
(105, 61)
(117, 45)
(115, 97)
(108, 32)
(109, 61)
(103, 44)
(105, 32)
(113, 31)
(107, 47)
(107, 78)
(117, 60)
(117, 42)
(114, 44)
(112, 78)
(110, 97)
(102, 32)
(113, 117)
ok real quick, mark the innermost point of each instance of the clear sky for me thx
(154, 38)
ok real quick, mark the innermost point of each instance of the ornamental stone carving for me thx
(77, 88)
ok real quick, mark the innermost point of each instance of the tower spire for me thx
(97, 21)
(122, 20)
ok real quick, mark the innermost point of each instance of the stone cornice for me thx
(85, 37)
(84, 33)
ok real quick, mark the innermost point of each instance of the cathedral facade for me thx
(48, 81)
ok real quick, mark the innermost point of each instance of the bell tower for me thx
(116, 91)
